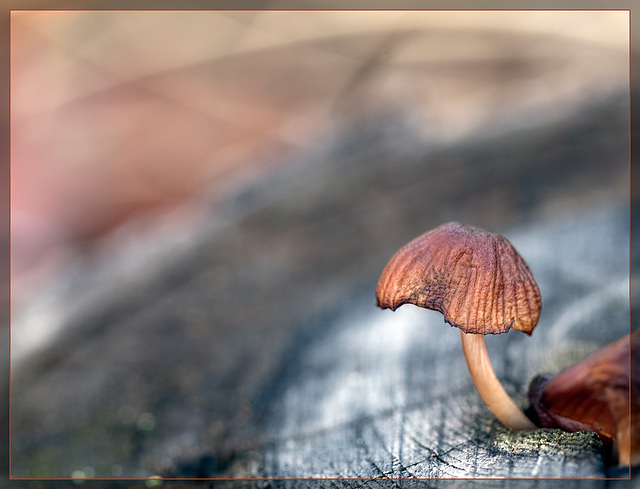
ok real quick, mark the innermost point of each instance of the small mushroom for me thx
(599, 394)
(481, 285)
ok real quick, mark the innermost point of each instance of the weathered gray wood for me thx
(259, 351)
(381, 394)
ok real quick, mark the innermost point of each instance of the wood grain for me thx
(257, 351)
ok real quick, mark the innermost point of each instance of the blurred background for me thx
(117, 115)
(192, 188)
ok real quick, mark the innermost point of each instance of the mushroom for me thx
(599, 394)
(481, 285)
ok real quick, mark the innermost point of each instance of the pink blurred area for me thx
(117, 114)
(108, 122)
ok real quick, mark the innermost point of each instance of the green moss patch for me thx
(547, 441)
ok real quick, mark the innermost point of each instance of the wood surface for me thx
(258, 352)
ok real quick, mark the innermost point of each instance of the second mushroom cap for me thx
(475, 278)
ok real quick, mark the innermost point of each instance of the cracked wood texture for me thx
(260, 351)
(253, 348)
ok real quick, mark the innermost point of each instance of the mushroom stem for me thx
(488, 385)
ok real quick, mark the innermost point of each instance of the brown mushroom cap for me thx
(475, 278)
(594, 394)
